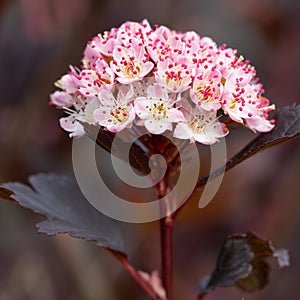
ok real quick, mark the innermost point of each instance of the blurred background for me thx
(38, 40)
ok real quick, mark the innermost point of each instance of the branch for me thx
(135, 275)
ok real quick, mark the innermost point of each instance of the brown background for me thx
(38, 40)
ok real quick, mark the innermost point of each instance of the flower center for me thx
(132, 70)
(159, 111)
(200, 123)
(232, 104)
(120, 114)
(173, 78)
(204, 93)
(197, 126)
(176, 75)
(101, 80)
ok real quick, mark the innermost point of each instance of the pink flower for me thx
(101, 45)
(163, 44)
(92, 81)
(224, 60)
(192, 42)
(156, 110)
(259, 122)
(207, 90)
(115, 114)
(131, 64)
(191, 37)
(154, 71)
(134, 30)
(201, 126)
(208, 45)
(68, 82)
(175, 75)
(61, 99)
(240, 96)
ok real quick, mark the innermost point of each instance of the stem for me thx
(135, 275)
(166, 234)
(166, 227)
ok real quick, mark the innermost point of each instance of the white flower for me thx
(201, 126)
(115, 114)
(157, 111)
(84, 114)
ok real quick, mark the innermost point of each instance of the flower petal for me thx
(157, 127)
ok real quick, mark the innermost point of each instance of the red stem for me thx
(166, 226)
(135, 275)
(166, 234)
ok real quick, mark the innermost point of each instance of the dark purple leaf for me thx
(286, 129)
(59, 199)
(241, 262)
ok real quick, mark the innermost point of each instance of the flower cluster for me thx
(163, 80)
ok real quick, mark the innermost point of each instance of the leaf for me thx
(241, 262)
(286, 129)
(233, 263)
(59, 199)
(258, 277)
(5, 194)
